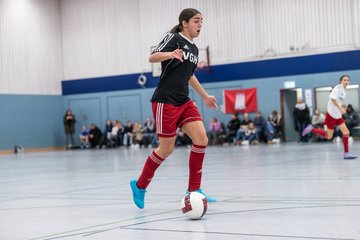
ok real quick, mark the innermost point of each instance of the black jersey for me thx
(173, 87)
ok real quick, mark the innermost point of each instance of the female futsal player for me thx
(172, 107)
(334, 116)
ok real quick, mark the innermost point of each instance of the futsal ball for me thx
(194, 205)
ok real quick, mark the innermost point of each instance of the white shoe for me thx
(276, 140)
(245, 143)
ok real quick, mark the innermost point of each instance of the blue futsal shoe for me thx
(307, 130)
(349, 156)
(138, 194)
(208, 198)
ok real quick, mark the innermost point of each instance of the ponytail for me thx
(176, 28)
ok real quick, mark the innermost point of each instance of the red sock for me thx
(319, 132)
(195, 167)
(346, 143)
(152, 163)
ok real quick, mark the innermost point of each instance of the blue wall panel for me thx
(32, 121)
(125, 107)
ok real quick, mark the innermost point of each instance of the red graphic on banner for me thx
(240, 101)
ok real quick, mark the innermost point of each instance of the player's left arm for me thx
(210, 101)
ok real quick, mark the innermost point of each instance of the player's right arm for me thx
(167, 49)
(162, 56)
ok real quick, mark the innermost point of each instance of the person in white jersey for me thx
(335, 110)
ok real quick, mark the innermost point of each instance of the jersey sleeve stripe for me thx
(164, 42)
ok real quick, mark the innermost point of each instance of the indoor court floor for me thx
(264, 192)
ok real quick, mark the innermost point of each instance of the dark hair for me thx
(185, 15)
(67, 112)
(345, 75)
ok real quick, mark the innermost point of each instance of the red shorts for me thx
(331, 122)
(169, 117)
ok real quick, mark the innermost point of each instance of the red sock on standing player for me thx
(196, 159)
(346, 143)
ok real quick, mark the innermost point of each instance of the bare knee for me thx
(201, 141)
(164, 152)
(329, 136)
(344, 130)
(346, 133)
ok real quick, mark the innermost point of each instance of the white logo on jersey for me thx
(186, 47)
(191, 57)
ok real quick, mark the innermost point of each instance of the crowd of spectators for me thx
(246, 131)
(114, 134)
(240, 130)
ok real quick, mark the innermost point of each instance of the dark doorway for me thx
(288, 98)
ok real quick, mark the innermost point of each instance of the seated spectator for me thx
(95, 136)
(249, 134)
(120, 133)
(214, 131)
(351, 118)
(128, 134)
(106, 139)
(182, 139)
(246, 120)
(275, 121)
(149, 136)
(116, 135)
(243, 125)
(137, 134)
(232, 126)
(222, 134)
(84, 137)
(261, 127)
(317, 120)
